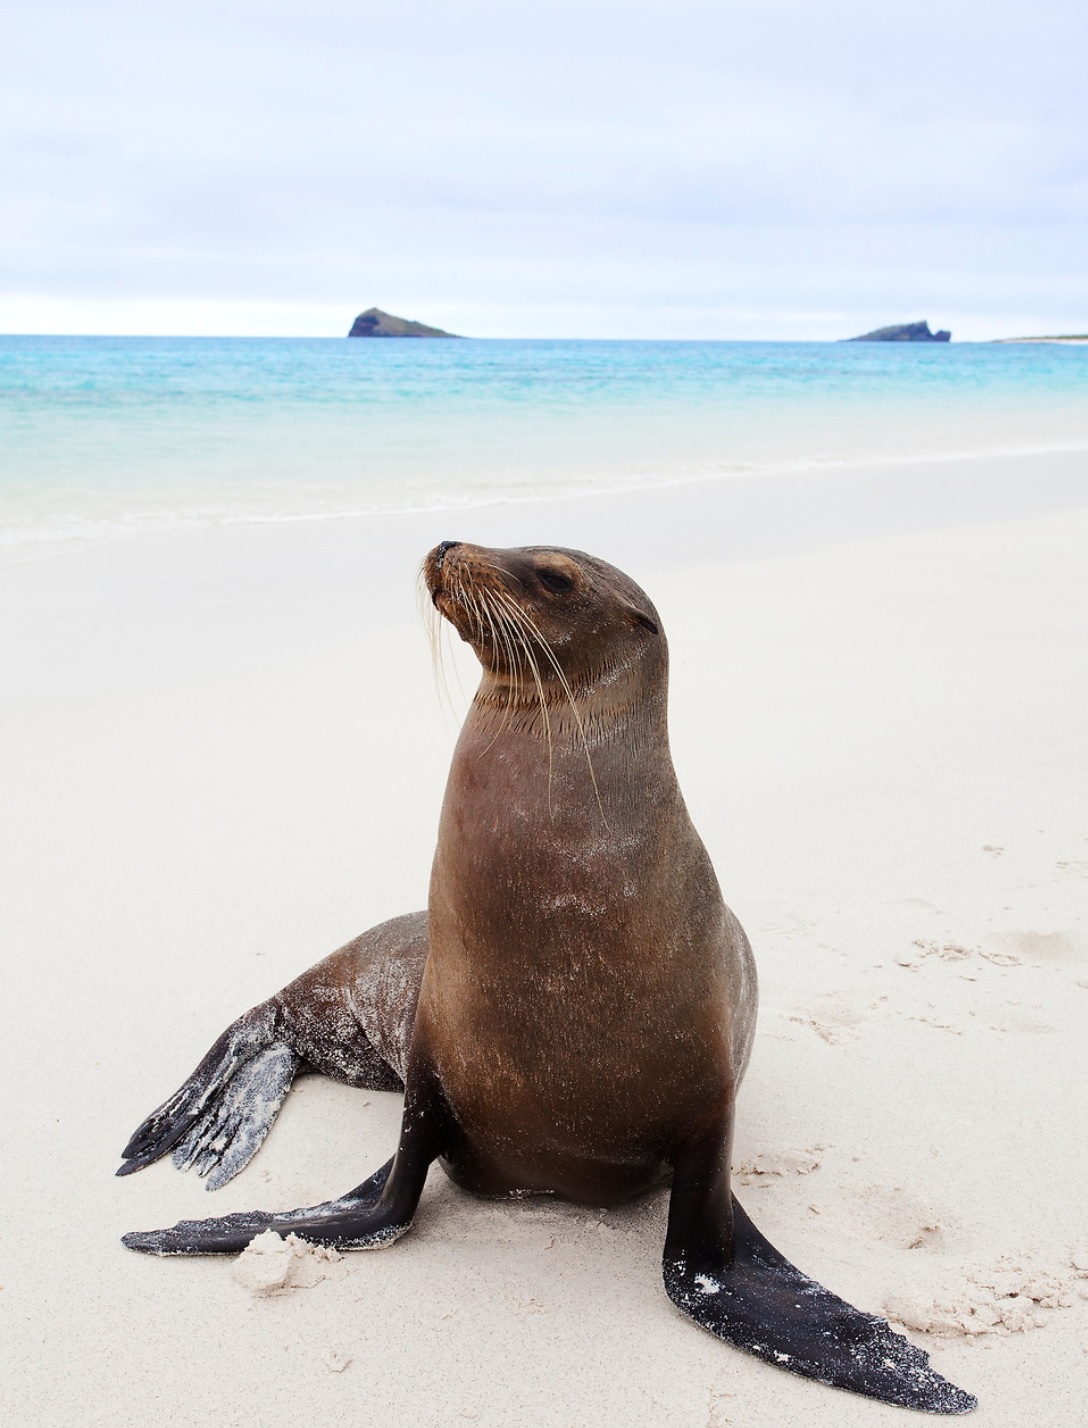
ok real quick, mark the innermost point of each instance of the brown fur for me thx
(588, 995)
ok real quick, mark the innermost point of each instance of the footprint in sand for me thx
(1022, 1023)
(923, 948)
(833, 1019)
(1047, 948)
(891, 1215)
(1002, 949)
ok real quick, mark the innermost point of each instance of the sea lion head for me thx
(545, 613)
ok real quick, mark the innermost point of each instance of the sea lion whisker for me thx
(437, 633)
(468, 599)
(499, 640)
(546, 720)
(526, 662)
(456, 594)
(515, 614)
(500, 626)
(501, 637)
(531, 625)
(516, 665)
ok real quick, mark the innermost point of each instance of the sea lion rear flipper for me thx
(334, 1222)
(230, 1132)
(218, 1118)
(739, 1287)
(349, 1017)
(371, 1216)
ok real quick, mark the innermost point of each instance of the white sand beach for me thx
(223, 755)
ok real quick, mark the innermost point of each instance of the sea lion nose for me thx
(441, 549)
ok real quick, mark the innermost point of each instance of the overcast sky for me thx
(609, 168)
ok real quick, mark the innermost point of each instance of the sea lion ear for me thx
(638, 618)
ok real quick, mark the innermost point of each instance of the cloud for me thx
(519, 155)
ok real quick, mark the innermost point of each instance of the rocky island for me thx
(375, 323)
(904, 332)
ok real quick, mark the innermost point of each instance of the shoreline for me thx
(104, 441)
(168, 607)
(223, 755)
(588, 489)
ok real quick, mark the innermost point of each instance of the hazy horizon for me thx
(553, 337)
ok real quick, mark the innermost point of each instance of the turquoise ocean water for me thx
(102, 438)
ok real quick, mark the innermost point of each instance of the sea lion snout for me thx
(447, 571)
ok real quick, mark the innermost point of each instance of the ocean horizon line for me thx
(1072, 338)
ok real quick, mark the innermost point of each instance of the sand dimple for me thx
(1009, 1297)
(270, 1264)
(1031, 945)
(718, 1406)
(891, 1215)
(936, 1023)
(1021, 1023)
(833, 1019)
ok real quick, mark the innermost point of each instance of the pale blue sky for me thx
(734, 168)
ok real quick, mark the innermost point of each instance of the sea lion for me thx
(575, 1010)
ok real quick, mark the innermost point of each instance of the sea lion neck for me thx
(606, 702)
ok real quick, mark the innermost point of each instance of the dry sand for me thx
(223, 755)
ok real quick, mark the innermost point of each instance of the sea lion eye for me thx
(554, 580)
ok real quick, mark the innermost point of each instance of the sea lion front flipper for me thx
(374, 1214)
(720, 1271)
